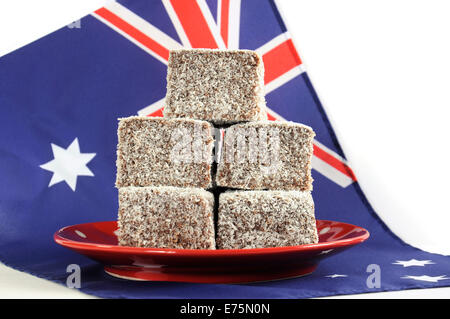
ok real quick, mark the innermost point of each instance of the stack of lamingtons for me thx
(213, 172)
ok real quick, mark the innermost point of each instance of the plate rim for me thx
(65, 242)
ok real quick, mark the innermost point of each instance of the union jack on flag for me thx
(217, 25)
(61, 96)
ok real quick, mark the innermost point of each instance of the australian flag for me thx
(60, 98)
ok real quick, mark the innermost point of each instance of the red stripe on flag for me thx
(157, 113)
(279, 60)
(194, 24)
(334, 162)
(133, 32)
(224, 20)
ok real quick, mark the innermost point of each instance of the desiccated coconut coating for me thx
(166, 217)
(266, 155)
(154, 151)
(258, 219)
(220, 86)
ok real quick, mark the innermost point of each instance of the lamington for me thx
(259, 219)
(155, 151)
(166, 217)
(266, 155)
(220, 86)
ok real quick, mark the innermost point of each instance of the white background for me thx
(381, 69)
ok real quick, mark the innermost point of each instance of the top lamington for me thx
(220, 86)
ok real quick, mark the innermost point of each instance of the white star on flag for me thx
(413, 262)
(426, 278)
(68, 164)
(336, 276)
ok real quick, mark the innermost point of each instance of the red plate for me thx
(99, 242)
